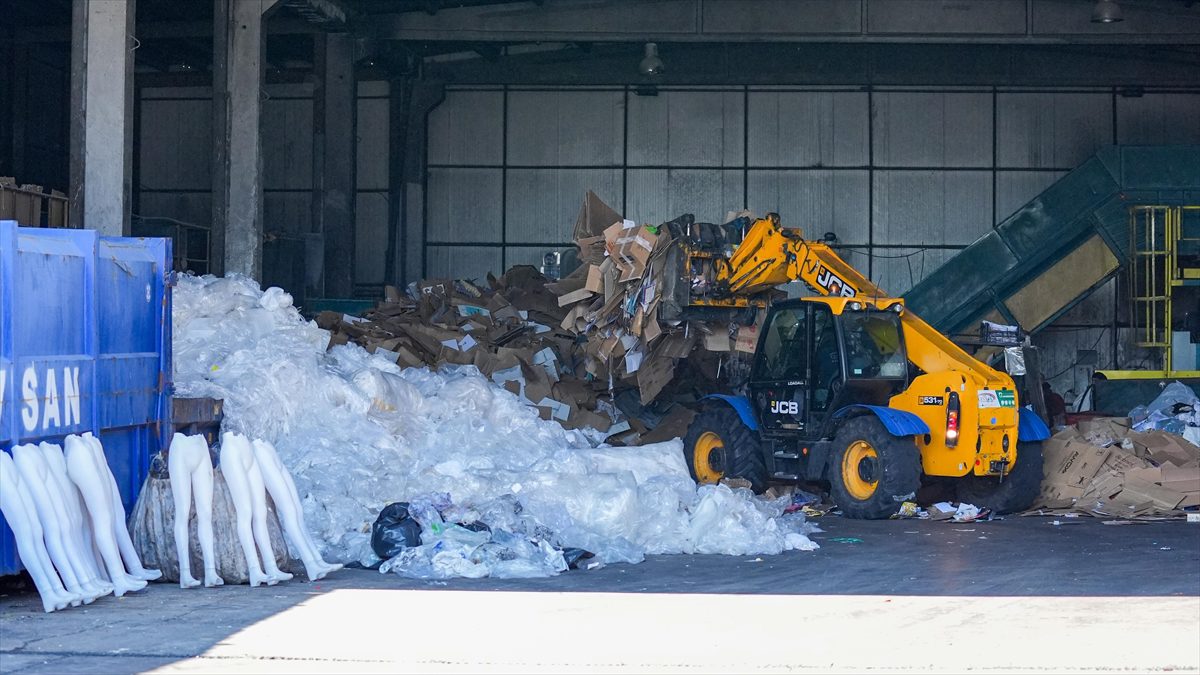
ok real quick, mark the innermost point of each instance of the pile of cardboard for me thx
(1101, 467)
(612, 303)
(509, 331)
(588, 350)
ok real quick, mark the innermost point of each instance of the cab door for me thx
(827, 377)
(780, 377)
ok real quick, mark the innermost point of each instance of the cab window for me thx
(782, 356)
(827, 359)
(873, 345)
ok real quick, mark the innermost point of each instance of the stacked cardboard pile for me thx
(613, 304)
(509, 331)
(588, 350)
(1101, 467)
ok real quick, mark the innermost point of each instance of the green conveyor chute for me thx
(1062, 245)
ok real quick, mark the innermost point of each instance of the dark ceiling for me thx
(174, 39)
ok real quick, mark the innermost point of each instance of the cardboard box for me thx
(1113, 427)
(594, 216)
(1123, 461)
(581, 418)
(674, 425)
(1102, 489)
(611, 276)
(677, 345)
(1136, 492)
(1164, 447)
(574, 296)
(1072, 462)
(718, 340)
(747, 339)
(653, 375)
(595, 279)
(652, 330)
(941, 511)
(1180, 479)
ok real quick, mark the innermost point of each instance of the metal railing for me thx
(1157, 234)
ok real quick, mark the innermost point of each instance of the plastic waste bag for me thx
(394, 530)
(1174, 410)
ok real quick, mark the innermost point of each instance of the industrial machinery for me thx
(849, 387)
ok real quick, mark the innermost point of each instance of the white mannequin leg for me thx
(190, 467)
(81, 468)
(202, 492)
(262, 536)
(287, 505)
(77, 515)
(312, 546)
(181, 492)
(237, 458)
(22, 518)
(120, 526)
(63, 549)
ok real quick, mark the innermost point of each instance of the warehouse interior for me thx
(1029, 163)
(399, 141)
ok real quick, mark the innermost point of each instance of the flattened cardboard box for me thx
(1115, 427)
(653, 375)
(595, 279)
(1180, 479)
(747, 339)
(594, 216)
(1138, 492)
(1166, 447)
(1073, 463)
(1122, 461)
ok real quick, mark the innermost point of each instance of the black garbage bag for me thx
(394, 530)
(574, 556)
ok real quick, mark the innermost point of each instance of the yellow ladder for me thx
(1156, 233)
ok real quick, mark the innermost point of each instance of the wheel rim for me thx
(708, 458)
(860, 470)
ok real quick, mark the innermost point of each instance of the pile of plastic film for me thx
(493, 489)
(1175, 410)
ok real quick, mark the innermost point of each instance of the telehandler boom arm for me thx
(769, 256)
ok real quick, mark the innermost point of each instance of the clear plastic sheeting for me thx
(358, 433)
(1176, 410)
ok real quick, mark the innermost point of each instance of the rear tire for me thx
(1017, 492)
(719, 445)
(874, 471)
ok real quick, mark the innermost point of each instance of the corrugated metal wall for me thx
(904, 176)
(174, 166)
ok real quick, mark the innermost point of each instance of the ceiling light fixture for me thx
(1106, 11)
(651, 65)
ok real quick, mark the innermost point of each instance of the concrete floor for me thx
(1015, 595)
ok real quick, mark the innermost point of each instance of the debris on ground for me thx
(358, 433)
(1126, 468)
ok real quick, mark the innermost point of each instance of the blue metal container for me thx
(85, 345)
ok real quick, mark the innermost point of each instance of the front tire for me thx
(875, 471)
(1018, 490)
(719, 445)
